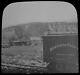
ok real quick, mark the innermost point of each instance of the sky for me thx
(25, 12)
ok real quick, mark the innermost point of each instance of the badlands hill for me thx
(25, 31)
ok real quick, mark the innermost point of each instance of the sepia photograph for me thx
(39, 37)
